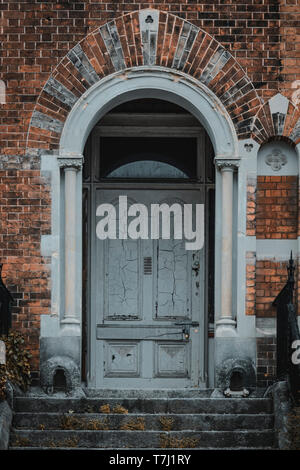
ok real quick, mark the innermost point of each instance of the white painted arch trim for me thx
(142, 82)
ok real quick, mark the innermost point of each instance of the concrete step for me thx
(199, 422)
(157, 393)
(149, 406)
(90, 449)
(145, 439)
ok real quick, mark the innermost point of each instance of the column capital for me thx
(227, 164)
(70, 160)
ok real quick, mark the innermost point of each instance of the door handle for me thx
(196, 267)
(186, 325)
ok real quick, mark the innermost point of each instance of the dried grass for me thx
(169, 442)
(135, 424)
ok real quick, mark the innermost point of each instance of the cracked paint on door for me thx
(172, 295)
(122, 274)
(142, 289)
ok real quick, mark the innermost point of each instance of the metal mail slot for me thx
(140, 332)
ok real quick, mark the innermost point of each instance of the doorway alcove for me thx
(146, 147)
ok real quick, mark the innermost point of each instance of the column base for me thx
(70, 327)
(63, 354)
(225, 327)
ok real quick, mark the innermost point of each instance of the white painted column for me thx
(70, 165)
(225, 324)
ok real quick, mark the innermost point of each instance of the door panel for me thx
(172, 359)
(122, 261)
(140, 290)
(172, 279)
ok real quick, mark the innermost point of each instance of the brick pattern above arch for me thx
(147, 38)
(277, 120)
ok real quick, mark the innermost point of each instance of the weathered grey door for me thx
(147, 303)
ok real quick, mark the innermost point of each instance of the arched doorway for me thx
(99, 100)
(147, 302)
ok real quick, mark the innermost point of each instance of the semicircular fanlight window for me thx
(147, 169)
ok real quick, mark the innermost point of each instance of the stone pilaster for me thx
(225, 324)
(70, 165)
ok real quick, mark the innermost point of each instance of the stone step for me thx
(200, 422)
(149, 406)
(157, 393)
(136, 449)
(145, 439)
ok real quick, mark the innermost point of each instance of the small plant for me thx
(68, 442)
(17, 367)
(169, 442)
(3, 381)
(166, 423)
(97, 425)
(119, 409)
(135, 424)
(105, 409)
(70, 422)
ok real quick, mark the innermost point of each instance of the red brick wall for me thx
(290, 47)
(271, 276)
(272, 213)
(277, 207)
(264, 281)
(25, 216)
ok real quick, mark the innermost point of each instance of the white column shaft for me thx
(226, 272)
(70, 245)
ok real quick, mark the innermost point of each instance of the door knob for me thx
(196, 267)
(186, 325)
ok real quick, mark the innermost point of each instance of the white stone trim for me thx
(154, 82)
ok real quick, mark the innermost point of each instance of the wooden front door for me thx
(147, 302)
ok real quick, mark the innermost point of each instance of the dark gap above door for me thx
(118, 151)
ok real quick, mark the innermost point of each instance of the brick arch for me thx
(145, 38)
(277, 124)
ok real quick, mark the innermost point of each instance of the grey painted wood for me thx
(140, 332)
(135, 342)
